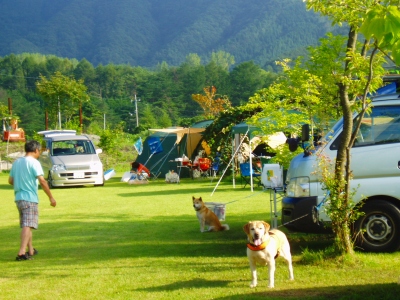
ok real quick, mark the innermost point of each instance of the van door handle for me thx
(398, 164)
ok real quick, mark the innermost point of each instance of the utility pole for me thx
(136, 110)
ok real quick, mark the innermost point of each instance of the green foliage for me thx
(165, 94)
(147, 32)
(62, 94)
(382, 23)
(109, 139)
(283, 155)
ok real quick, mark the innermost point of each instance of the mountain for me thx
(148, 32)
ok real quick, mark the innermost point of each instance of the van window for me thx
(72, 147)
(381, 126)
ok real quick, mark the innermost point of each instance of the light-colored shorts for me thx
(28, 214)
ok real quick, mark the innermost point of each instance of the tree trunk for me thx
(342, 165)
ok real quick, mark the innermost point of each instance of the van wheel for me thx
(50, 181)
(378, 230)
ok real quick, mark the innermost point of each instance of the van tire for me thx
(378, 230)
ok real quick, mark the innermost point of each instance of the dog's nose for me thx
(256, 236)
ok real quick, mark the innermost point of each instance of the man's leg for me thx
(26, 240)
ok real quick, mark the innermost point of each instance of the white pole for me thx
(137, 112)
(59, 114)
(251, 161)
(231, 161)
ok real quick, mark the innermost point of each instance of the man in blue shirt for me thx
(25, 174)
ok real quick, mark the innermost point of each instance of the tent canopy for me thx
(193, 135)
(175, 142)
(252, 132)
(244, 128)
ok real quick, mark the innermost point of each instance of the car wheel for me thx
(101, 184)
(378, 230)
(50, 181)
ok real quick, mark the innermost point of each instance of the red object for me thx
(204, 164)
(142, 168)
(14, 136)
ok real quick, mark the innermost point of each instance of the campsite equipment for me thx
(109, 173)
(272, 175)
(11, 132)
(204, 166)
(164, 145)
(248, 173)
(219, 209)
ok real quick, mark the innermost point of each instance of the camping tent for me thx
(252, 132)
(175, 142)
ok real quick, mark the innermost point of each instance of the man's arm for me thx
(11, 180)
(46, 189)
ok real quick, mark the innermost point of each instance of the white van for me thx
(68, 159)
(375, 163)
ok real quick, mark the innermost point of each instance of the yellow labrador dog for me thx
(207, 217)
(263, 247)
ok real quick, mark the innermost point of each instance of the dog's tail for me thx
(225, 227)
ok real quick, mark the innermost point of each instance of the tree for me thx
(211, 105)
(223, 59)
(62, 94)
(12, 74)
(245, 79)
(359, 74)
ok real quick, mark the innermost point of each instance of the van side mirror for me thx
(98, 151)
(305, 132)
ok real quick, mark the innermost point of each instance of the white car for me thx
(68, 159)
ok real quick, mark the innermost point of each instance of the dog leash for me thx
(293, 220)
(263, 192)
(246, 197)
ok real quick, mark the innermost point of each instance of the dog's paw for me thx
(253, 284)
(270, 286)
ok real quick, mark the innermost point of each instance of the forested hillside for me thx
(165, 93)
(147, 32)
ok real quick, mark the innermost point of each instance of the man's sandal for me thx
(35, 252)
(23, 257)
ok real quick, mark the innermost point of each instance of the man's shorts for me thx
(28, 214)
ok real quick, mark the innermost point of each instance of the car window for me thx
(72, 147)
(381, 126)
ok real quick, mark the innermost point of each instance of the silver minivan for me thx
(68, 159)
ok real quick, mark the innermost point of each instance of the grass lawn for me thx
(125, 241)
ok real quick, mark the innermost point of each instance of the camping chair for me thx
(215, 165)
(204, 166)
(245, 174)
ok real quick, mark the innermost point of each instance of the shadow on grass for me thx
(86, 239)
(347, 292)
(188, 284)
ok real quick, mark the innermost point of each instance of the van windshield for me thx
(332, 132)
(380, 126)
(72, 147)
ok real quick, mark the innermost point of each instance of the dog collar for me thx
(257, 248)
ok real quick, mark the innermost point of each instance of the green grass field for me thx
(125, 241)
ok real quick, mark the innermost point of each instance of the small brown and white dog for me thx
(263, 247)
(207, 217)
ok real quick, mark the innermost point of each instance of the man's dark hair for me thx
(135, 165)
(31, 146)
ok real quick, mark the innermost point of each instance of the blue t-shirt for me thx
(25, 171)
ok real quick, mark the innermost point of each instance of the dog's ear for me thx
(246, 228)
(201, 199)
(267, 226)
(192, 197)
